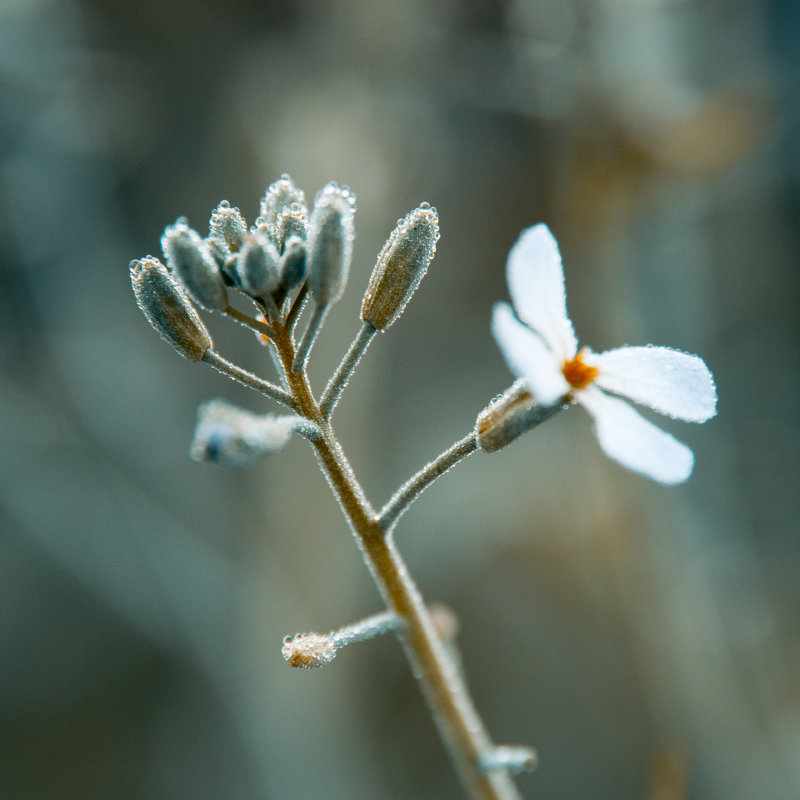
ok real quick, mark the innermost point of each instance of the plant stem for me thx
(246, 378)
(248, 322)
(336, 385)
(414, 486)
(456, 717)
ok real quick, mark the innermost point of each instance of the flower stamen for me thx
(578, 373)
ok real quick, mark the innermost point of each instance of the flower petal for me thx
(670, 382)
(536, 285)
(528, 356)
(637, 444)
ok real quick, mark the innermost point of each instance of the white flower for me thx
(539, 346)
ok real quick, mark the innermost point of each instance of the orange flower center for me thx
(578, 373)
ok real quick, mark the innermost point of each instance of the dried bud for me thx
(280, 197)
(168, 309)
(228, 225)
(189, 259)
(257, 265)
(508, 416)
(330, 243)
(309, 650)
(229, 435)
(401, 266)
(292, 268)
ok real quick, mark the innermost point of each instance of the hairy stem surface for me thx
(457, 719)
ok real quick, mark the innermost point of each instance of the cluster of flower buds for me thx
(288, 255)
(285, 253)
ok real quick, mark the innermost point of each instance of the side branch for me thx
(414, 486)
(246, 378)
(248, 322)
(336, 385)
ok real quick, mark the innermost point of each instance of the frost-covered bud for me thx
(508, 416)
(219, 251)
(330, 243)
(309, 650)
(292, 268)
(280, 197)
(228, 225)
(189, 259)
(167, 308)
(229, 435)
(257, 265)
(291, 223)
(401, 265)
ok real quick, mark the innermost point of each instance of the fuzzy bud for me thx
(291, 223)
(281, 196)
(229, 435)
(257, 265)
(228, 225)
(309, 650)
(167, 308)
(189, 259)
(292, 268)
(508, 416)
(330, 243)
(401, 265)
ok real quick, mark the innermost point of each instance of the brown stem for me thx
(457, 719)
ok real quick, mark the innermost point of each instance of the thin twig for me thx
(246, 378)
(339, 380)
(414, 486)
(452, 708)
(248, 322)
(309, 337)
(297, 308)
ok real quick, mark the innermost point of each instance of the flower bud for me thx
(229, 435)
(330, 243)
(508, 416)
(228, 225)
(167, 308)
(292, 268)
(401, 265)
(257, 265)
(280, 197)
(291, 223)
(189, 259)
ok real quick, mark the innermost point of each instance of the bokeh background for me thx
(645, 639)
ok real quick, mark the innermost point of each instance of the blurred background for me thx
(646, 640)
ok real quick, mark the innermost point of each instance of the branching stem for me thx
(246, 378)
(336, 385)
(458, 721)
(414, 486)
(248, 321)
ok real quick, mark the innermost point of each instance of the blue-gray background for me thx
(645, 639)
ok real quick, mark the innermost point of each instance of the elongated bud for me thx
(292, 268)
(227, 434)
(257, 265)
(167, 308)
(330, 243)
(280, 197)
(189, 259)
(228, 225)
(402, 264)
(291, 223)
(508, 416)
